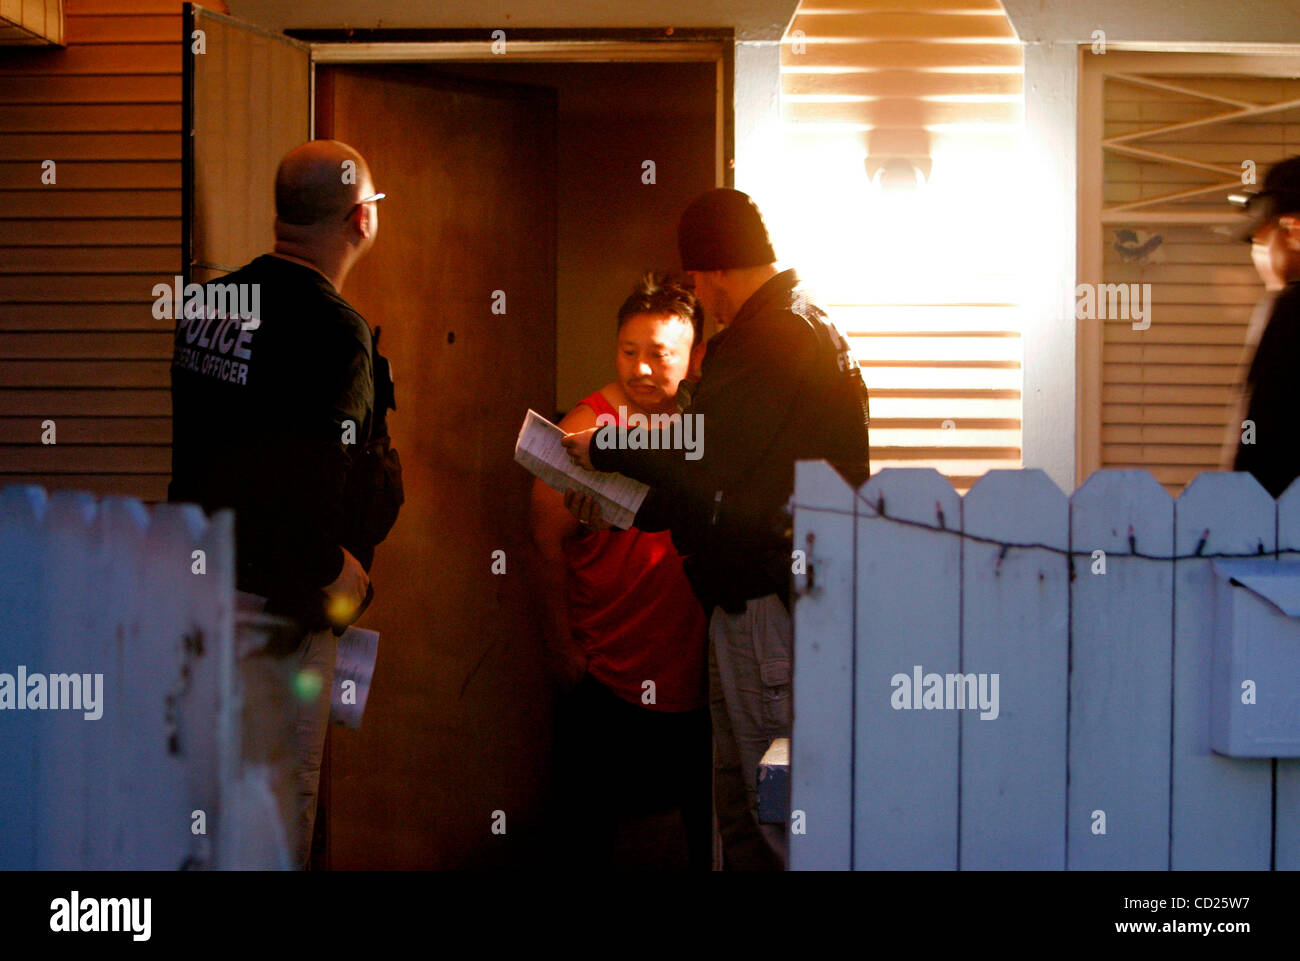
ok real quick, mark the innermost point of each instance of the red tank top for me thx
(633, 611)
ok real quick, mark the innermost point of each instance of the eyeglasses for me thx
(372, 199)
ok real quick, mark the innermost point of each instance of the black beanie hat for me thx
(722, 229)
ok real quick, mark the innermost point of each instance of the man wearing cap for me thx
(1268, 446)
(778, 384)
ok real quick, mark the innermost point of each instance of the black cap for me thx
(1280, 195)
(723, 229)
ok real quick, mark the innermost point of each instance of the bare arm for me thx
(553, 524)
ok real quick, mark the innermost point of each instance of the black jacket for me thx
(1274, 457)
(260, 413)
(778, 385)
(374, 493)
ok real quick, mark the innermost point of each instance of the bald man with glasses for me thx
(269, 412)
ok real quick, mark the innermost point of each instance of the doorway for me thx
(523, 178)
(523, 189)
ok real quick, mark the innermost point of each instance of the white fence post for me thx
(821, 792)
(22, 568)
(121, 526)
(1121, 650)
(1097, 614)
(1222, 807)
(106, 591)
(908, 615)
(1014, 607)
(74, 643)
(1286, 838)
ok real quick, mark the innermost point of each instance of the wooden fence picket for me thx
(821, 792)
(1222, 807)
(1014, 626)
(905, 761)
(1104, 664)
(22, 637)
(1286, 838)
(104, 589)
(72, 645)
(123, 522)
(1121, 650)
(1100, 757)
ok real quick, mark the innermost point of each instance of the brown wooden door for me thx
(457, 725)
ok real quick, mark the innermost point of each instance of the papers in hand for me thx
(354, 666)
(540, 451)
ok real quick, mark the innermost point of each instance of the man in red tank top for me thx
(626, 636)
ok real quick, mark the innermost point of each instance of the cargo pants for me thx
(750, 700)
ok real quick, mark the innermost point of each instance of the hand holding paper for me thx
(586, 509)
(579, 447)
(540, 450)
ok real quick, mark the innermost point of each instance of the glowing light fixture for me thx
(897, 175)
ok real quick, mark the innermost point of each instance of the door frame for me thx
(340, 47)
(535, 45)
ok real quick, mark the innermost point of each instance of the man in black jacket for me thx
(778, 384)
(269, 403)
(1269, 444)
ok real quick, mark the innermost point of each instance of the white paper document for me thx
(540, 451)
(354, 666)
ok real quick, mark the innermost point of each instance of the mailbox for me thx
(1255, 668)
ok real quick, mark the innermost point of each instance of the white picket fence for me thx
(1104, 686)
(108, 587)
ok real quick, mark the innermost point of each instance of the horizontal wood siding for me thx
(79, 258)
